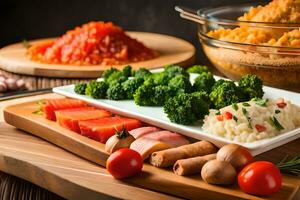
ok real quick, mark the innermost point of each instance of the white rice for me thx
(243, 130)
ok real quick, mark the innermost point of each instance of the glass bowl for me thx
(278, 66)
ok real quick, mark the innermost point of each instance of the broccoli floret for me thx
(198, 69)
(144, 94)
(127, 71)
(116, 92)
(161, 94)
(96, 89)
(224, 93)
(174, 70)
(204, 81)
(142, 73)
(116, 77)
(131, 85)
(180, 84)
(108, 72)
(80, 88)
(251, 86)
(186, 108)
(159, 78)
(204, 95)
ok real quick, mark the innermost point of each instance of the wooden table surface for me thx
(68, 175)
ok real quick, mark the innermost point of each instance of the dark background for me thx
(33, 19)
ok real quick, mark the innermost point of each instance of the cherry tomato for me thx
(124, 163)
(260, 178)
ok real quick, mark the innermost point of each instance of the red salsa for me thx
(94, 43)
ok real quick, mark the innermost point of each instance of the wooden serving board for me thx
(171, 50)
(192, 187)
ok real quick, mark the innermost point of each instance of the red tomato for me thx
(280, 103)
(260, 128)
(124, 163)
(219, 117)
(260, 178)
(227, 115)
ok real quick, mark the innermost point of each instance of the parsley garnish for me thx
(261, 102)
(235, 118)
(235, 106)
(245, 112)
(218, 113)
(246, 104)
(275, 123)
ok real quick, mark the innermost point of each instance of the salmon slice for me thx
(69, 118)
(157, 141)
(52, 105)
(146, 147)
(102, 129)
(139, 132)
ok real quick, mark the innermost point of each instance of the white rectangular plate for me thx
(157, 117)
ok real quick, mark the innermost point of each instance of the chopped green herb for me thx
(235, 106)
(249, 122)
(26, 44)
(275, 123)
(218, 113)
(261, 102)
(246, 104)
(235, 118)
(245, 112)
(277, 111)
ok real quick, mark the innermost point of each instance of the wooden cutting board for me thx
(191, 187)
(171, 50)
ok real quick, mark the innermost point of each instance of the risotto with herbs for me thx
(254, 120)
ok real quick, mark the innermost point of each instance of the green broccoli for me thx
(251, 86)
(142, 73)
(144, 94)
(224, 93)
(204, 96)
(96, 89)
(174, 70)
(127, 71)
(186, 108)
(180, 84)
(131, 85)
(116, 92)
(160, 78)
(161, 94)
(204, 81)
(80, 88)
(198, 69)
(108, 72)
(116, 77)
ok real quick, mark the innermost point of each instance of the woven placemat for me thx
(14, 188)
